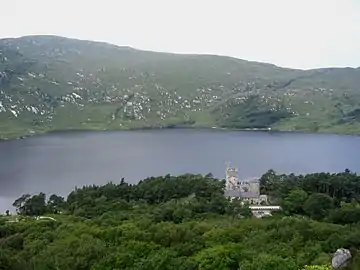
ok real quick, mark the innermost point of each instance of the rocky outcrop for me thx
(340, 258)
(53, 83)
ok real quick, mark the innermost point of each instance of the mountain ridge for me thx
(54, 83)
(128, 47)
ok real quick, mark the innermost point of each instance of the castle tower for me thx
(231, 177)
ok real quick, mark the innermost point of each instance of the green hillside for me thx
(54, 83)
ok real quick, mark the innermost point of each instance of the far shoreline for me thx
(179, 127)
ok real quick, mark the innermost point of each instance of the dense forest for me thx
(185, 222)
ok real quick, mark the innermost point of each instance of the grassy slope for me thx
(54, 83)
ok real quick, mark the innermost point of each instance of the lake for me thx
(56, 163)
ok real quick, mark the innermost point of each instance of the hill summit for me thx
(53, 83)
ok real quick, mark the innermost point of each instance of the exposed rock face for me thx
(340, 258)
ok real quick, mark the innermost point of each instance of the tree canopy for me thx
(185, 222)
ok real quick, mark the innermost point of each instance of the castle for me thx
(247, 190)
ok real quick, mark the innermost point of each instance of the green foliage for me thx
(345, 215)
(341, 187)
(293, 203)
(318, 206)
(56, 203)
(317, 267)
(270, 262)
(31, 205)
(184, 222)
(252, 113)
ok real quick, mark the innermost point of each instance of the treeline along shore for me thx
(186, 222)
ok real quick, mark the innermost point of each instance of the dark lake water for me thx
(57, 163)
